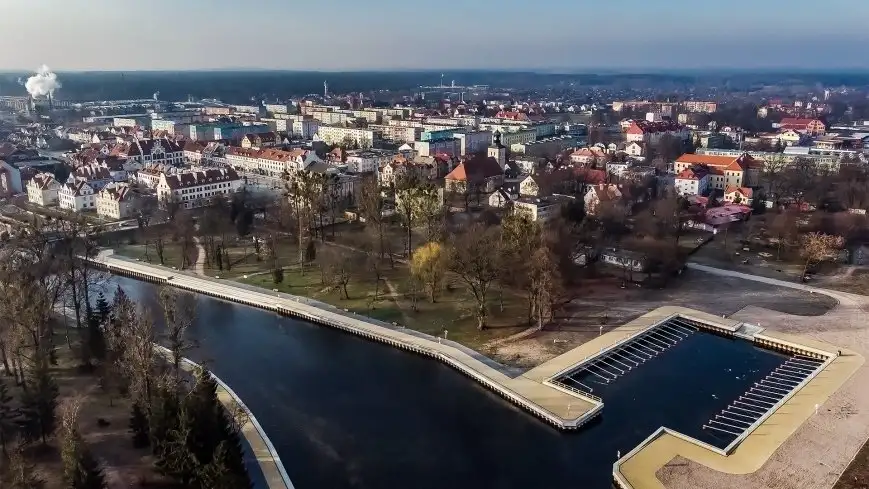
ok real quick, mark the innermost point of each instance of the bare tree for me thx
(545, 280)
(371, 208)
(139, 360)
(478, 267)
(179, 309)
(818, 247)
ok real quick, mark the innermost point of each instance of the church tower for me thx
(498, 151)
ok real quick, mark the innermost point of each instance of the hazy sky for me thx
(407, 34)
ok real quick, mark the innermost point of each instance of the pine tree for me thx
(175, 459)
(103, 309)
(217, 475)
(22, 473)
(80, 469)
(7, 417)
(39, 401)
(203, 406)
(139, 427)
(163, 418)
(95, 349)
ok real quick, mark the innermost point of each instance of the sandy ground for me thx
(817, 454)
(603, 303)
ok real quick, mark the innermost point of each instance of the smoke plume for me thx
(43, 83)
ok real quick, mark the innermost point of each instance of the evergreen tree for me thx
(102, 309)
(217, 475)
(95, 349)
(139, 427)
(80, 469)
(7, 417)
(22, 473)
(163, 418)
(175, 458)
(39, 401)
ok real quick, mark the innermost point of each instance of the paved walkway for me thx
(199, 266)
(562, 408)
(795, 447)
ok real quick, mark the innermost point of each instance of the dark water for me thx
(347, 413)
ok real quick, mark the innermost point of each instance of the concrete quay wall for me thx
(519, 391)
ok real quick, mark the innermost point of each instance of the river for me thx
(344, 412)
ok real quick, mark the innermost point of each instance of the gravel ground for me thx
(603, 303)
(817, 454)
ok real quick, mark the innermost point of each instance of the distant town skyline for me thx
(343, 35)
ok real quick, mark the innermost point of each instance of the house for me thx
(617, 168)
(635, 148)
(624, 259)
(725, 171)
(96, 175)
(193, 151)
(654, 131)
(738, 195)
(530, 187)
(420, 167)
(76, 195)
(528, 165)
(811, 127)
(541, 210)
(276, 162)
(198, 188)
(115, 201)
(586, 156)
(598, 194)
(693, 181)
(260, 141)
(790, 137)
(500, 198)
(476, 174)
(42, 189)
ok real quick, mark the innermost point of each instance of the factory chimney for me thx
(50, 103)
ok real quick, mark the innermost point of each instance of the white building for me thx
(541, 210)
(364, 138)
(76, 196)
(276, 162)
(42, 189)
(115, 201)
(368, 161)
(692, 181)
(198, 188)
(473, 141)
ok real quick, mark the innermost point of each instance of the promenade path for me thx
(562, 408)
(809, 441)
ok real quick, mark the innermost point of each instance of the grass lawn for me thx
(243, 260)
(110, 439)
(171, 254)
(453, 311)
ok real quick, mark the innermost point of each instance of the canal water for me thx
(344, 412)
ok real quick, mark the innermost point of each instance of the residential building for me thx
(276, 162)
(528, 165)
(597, 195)
(42, 189)
(500, 198)
(156, 151)
(96, 175)
(304, 128)
(198, 188)
(76, 196)
(508, 139)
(791, 137)
(115, 201)
(692, 181)
(363, 138)
(811, 127)
(149, 176)
(530, 187)
(542, 209)
(450, 146)
(700, 106)
(398, 134)
(725, 171)
(652, 132)
(739, 195)
(586, 156)
(368, 161)
(473, 141)
(544, 148)
(635, 148)
(260, 141)
(193, 151)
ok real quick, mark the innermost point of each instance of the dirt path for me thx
(199, 266)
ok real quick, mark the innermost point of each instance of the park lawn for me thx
(171, 254)
(124, 466)
(453, 311)
(243, 260)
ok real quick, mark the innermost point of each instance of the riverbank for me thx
(563, 409)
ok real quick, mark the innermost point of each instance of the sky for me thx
(347, 35)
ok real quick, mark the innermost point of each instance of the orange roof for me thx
(458, 173)
(729, 163)
(745, 191)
